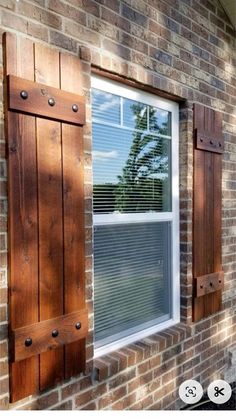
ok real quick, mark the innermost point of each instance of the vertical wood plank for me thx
(209, 213)
(207, 222)
(73, 195)
(50, 216)
(22, 195)
(73, 238)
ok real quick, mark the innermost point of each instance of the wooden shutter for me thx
(45, 114)
(207, 198)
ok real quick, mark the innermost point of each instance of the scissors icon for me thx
(218, 391)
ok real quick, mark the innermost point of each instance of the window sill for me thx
(105, 366)
(134, 337)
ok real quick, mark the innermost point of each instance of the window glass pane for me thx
(131, 171)
(105, 106)
(132, 277)
(159, 121)
(134, 114)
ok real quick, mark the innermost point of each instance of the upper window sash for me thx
(128, 92)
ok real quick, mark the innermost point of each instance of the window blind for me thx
(132, 277)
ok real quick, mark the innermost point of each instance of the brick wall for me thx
(181, 47)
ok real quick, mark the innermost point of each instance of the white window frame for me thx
(119, 89)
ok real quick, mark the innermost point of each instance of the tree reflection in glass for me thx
(131, 156)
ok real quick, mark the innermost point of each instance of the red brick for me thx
(90, 406)
(2, 150)
(10, 20)
(121, 378)
(89, 395)
(3, 314)
(40, 15)
(132, 42)
(133, 15)
(70, 390)
(4, 386)
(102, 370)
(3, 350)
(3, 295)
(37, 31)
(119, 393)
(117, 49)
(63, 41)
(115, 19)
(129, 354)
(4, 403)
(159, 30)
(47, 401)
(164, 390)
(64, 406)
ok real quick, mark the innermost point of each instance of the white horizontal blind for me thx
(132, 188)
(132, 278)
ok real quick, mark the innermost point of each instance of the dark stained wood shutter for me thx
(207, 202)
(46, 215)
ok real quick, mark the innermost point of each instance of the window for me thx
(135, 206)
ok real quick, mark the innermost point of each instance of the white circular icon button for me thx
(219, 391)
(190, 391)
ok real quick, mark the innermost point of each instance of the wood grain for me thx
(22, 218)
(37, 101)
(73, 194)
(50, 217)
(208, 142)
(207, 284)
(41, 334)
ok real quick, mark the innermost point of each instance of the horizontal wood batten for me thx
(209, 142)
(206, 284)
(39, 99)
(41, 335)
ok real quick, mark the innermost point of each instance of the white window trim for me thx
(173, 216)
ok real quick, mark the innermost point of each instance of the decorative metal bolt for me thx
(24, 94)
(28, 342)
(211, 142)
(201, 139)
(211, 284)
(201, 286)
(55, 333)
(78, 326)
(13, 149)
(75, 108)
(219, 281)
(51, 101)
(220, 145)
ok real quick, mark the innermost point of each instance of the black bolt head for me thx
(55, 333)
(75, 108)
(51, 101)
(28, 342)
(24, 94)
(78, 325)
